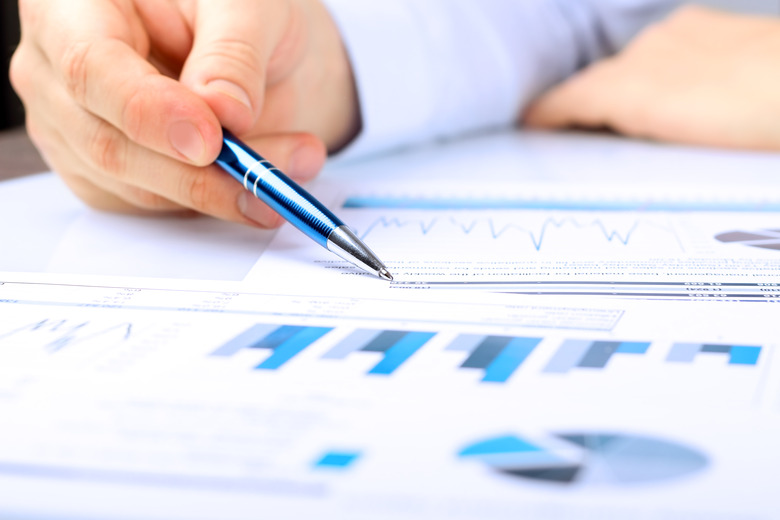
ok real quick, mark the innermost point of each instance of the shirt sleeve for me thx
(434, 69)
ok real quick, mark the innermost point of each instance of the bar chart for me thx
(498, 356)
(736, 354)
(397, 346)
(591, 354)
(494, 358)
(284, 342)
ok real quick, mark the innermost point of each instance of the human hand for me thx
(97, 81)
(701, 77)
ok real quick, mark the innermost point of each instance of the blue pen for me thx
(295, 204)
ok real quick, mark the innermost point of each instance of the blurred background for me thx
(10, 108)
(17, 156)
(11, 111)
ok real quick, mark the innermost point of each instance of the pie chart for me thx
(762, 238)
(587, 458)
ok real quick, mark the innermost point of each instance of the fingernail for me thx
(303, 164)
(186, 140)
(232, 90)
(256, 211)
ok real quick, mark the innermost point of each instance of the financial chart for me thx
(243, 395)
(625, 246)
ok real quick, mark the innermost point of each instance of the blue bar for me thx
(244, 340)
(509, 359)
(486, 352)
(355, 341)
(337, 460)
(599, 354)
(633, 347)
(401, 351)
(683, 352)
(741, 355)
(292, 346)
(568, 356)
(384, 341)
(277, 337)
(466, 342)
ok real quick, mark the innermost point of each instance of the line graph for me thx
(574, 231)
(55, 335)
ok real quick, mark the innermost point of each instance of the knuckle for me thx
(133, 111)
(30, 12)
(75, 69)
(108, 149)
(18, 73)
(85, 191)
(147, 200)
(239, 54)
(196, 191)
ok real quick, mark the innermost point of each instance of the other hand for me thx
(701, 77)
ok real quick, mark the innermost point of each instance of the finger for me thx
(96, 190)
(95, 151)
(97, 60)
(42, 127)
(228, 65)
(300, 156)
(207, 190)
(132, 172)
(129, 202)
(93, 196)
(168, 30)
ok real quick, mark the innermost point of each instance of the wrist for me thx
(339, 115)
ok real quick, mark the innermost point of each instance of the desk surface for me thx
(18, 156)
(135, 378)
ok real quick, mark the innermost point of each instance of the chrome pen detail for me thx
(343, 242)
(295, 204)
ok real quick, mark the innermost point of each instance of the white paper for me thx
(167, 369)
(127, 402)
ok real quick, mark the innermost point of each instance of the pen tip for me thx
(385, 275)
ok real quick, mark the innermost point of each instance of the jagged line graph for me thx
(56, 335)
(536, 236)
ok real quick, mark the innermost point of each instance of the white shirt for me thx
(429, 69)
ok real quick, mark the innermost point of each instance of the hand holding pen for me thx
(97, 81)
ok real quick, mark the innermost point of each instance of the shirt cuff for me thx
(392, 72)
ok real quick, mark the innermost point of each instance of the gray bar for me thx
(683, 352)
(466, 342)
(385, 341)
(599, 354)
(351, 343)
(568, 356)
(244, 340)
(486, 352)
(719, 349)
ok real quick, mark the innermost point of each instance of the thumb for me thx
(227, 66)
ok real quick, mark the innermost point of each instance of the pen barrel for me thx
(273, 187)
